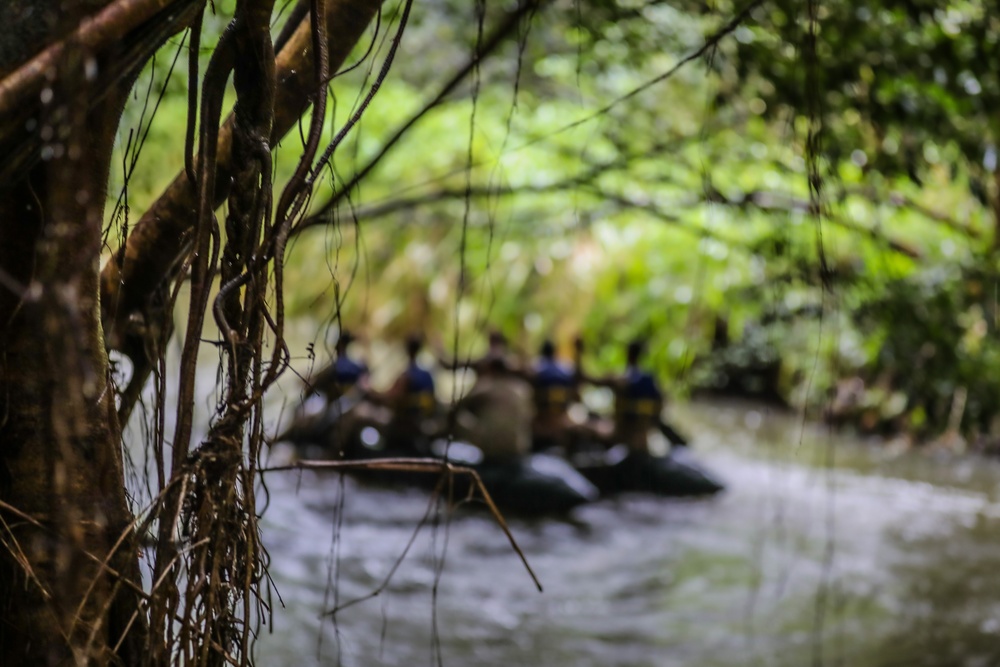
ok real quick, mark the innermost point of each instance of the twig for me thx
(407, 464)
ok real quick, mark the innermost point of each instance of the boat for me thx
(539, 484)
(535, 485)
(676, 473)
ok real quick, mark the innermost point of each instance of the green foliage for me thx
(932, 335)
(515, 204)
(907, 86)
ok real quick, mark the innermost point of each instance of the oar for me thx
(673, 436)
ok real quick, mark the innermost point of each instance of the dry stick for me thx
(22, 560)
(407, 464)
(120, 579)
(17, 551)
(253, 555)
(103, 563)
(160, 607)
(210, 578)
(156, 585)
(14, 549)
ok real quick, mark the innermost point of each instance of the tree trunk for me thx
(69, 585)
(68, 569)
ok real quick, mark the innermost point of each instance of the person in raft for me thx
(638, 402)
(412, 402)
(342, 375)
(496, 414)
(345, 384)
(498, 348)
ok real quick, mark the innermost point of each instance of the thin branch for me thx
(900, 200)
(406, 464)
(324, 215)
(770, 202)
(710, 43)
(499, 36)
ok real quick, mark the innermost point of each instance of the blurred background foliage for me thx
(573, 183)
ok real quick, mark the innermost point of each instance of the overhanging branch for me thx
(163, 234)
(94, 34)
(116, 65)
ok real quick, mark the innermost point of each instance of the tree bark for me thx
(68, 571)
(60, 442)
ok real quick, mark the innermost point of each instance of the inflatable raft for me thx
(675, 474)
(539, 484)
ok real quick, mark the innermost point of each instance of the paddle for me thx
(670, 434)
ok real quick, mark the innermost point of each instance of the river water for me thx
(824, 551)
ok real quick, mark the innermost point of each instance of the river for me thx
(823, 551)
